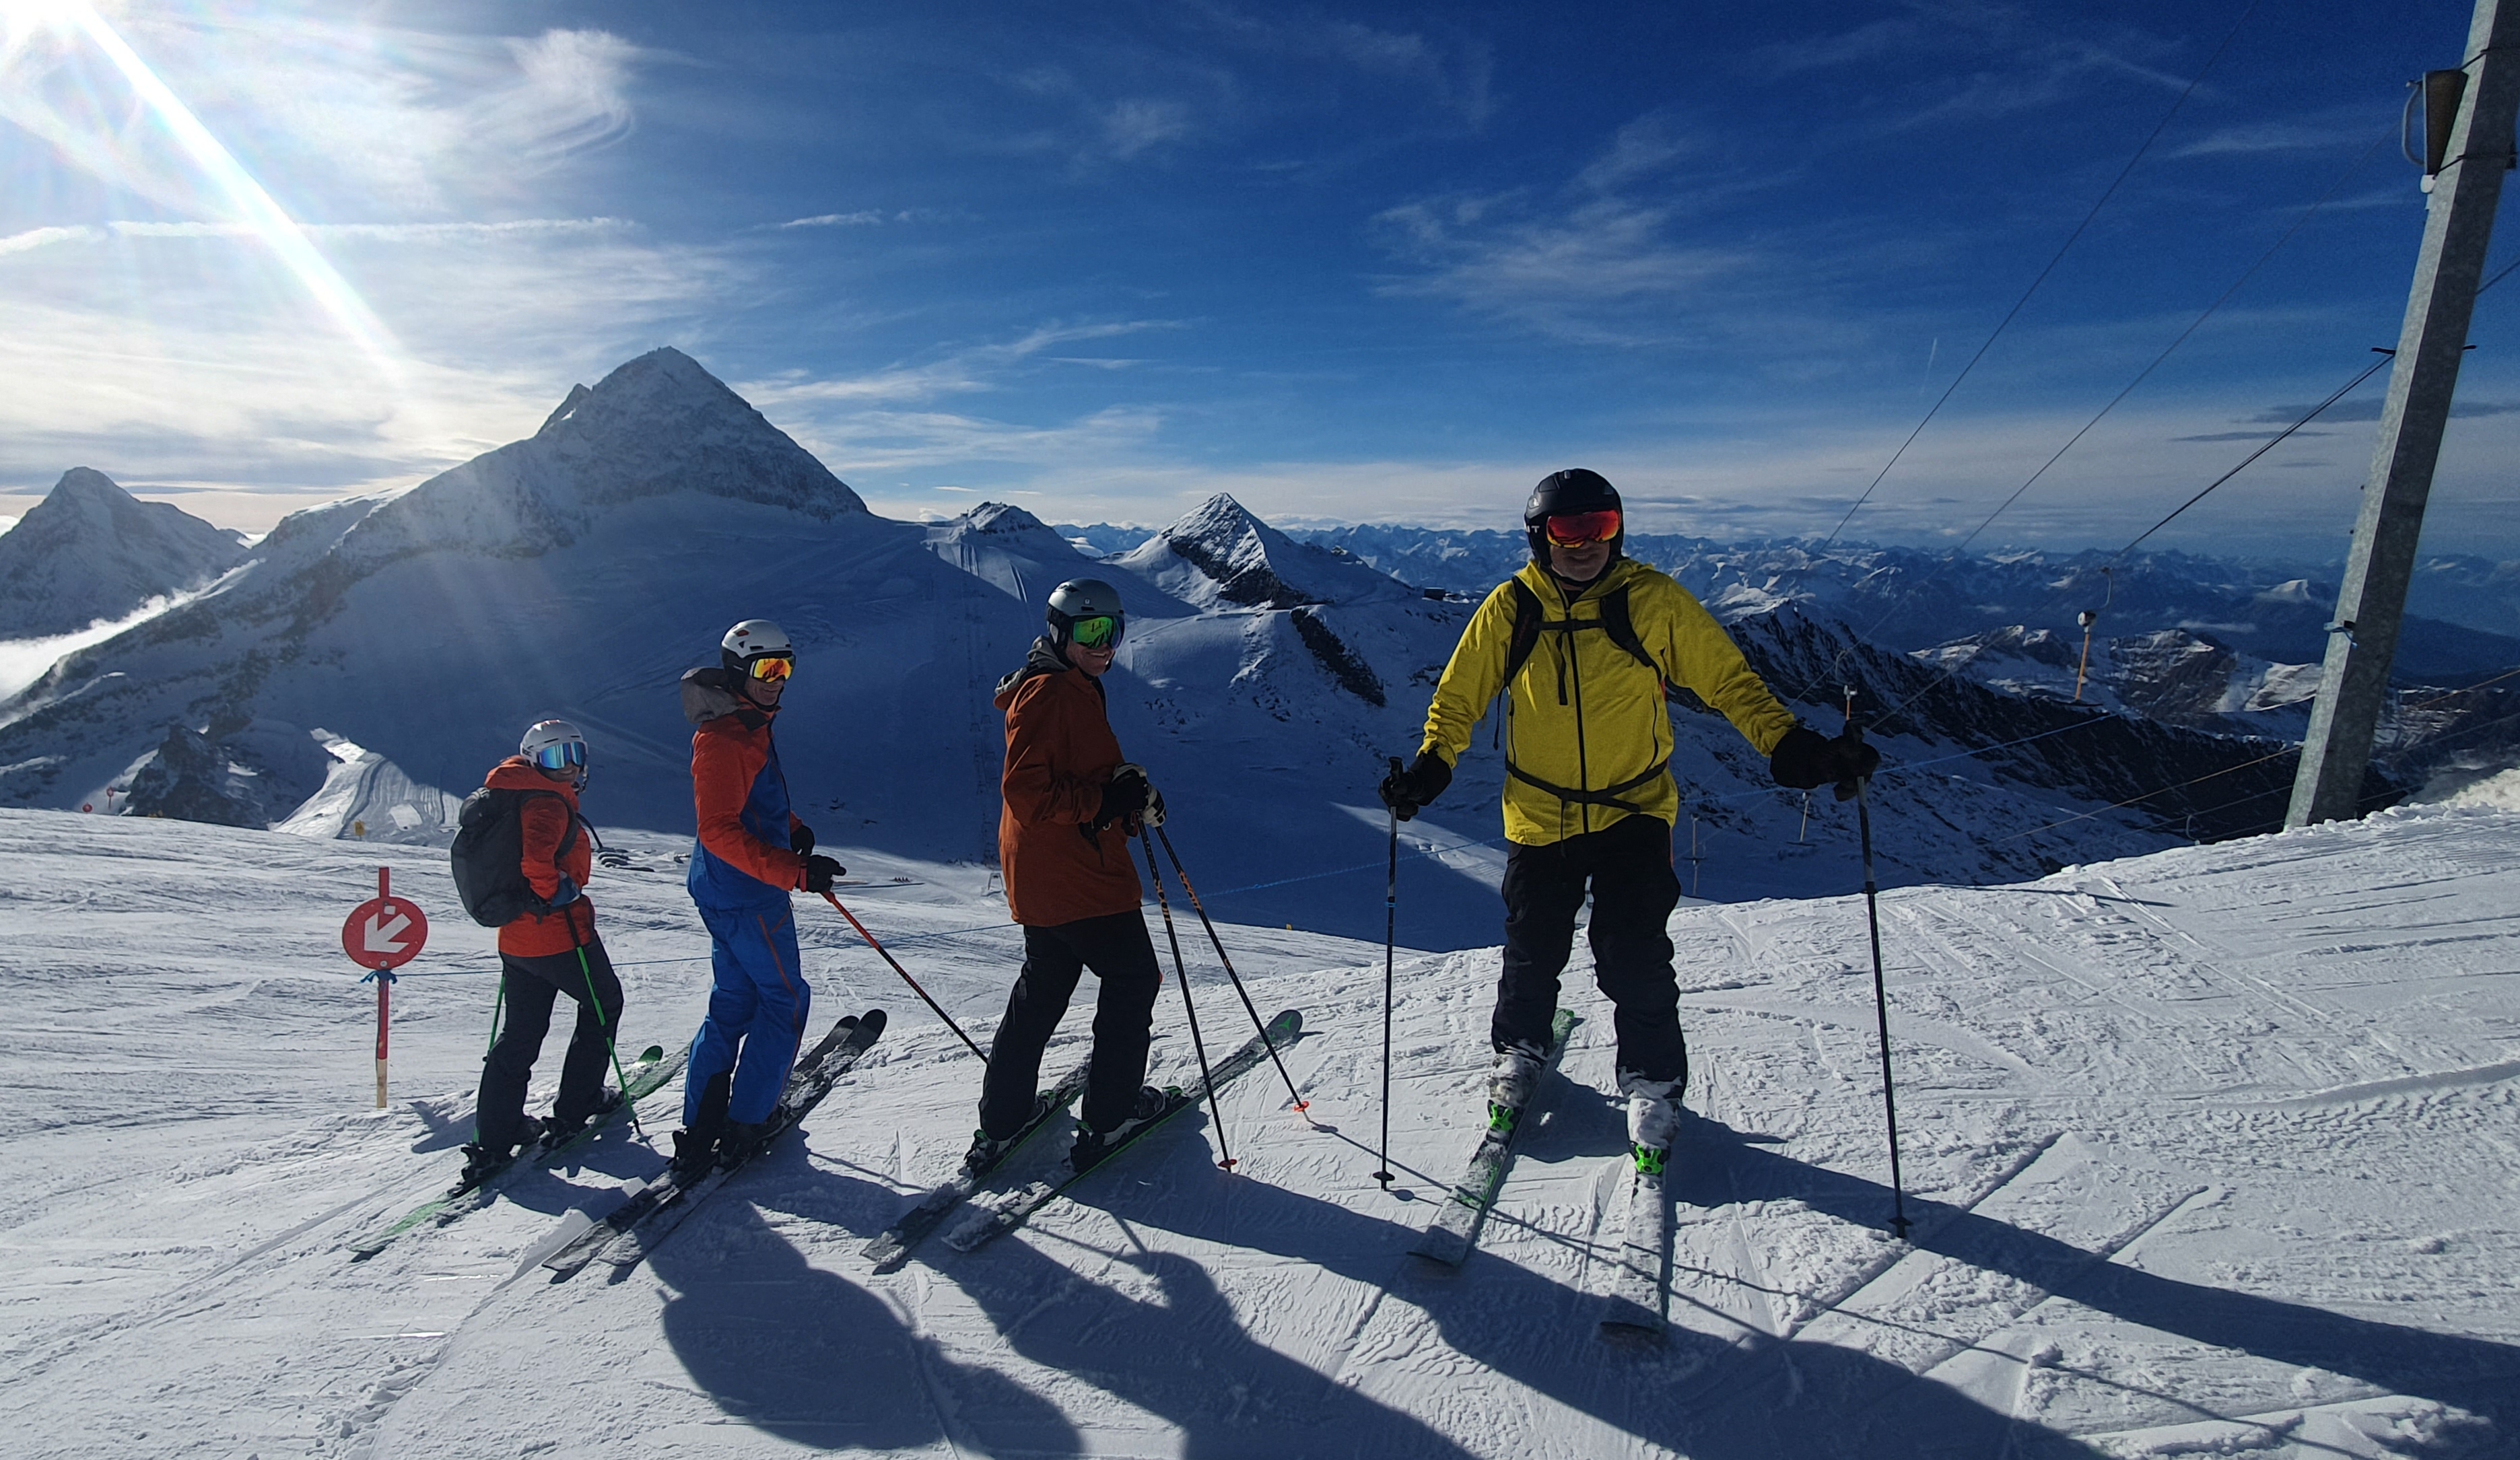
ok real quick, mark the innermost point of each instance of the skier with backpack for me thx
(751, 852)
(1581, 644)
(1071, 804)
(522, 859)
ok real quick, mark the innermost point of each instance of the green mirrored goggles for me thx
(1097, 632)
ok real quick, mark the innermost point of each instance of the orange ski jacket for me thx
(1060, 753)
(544, 818)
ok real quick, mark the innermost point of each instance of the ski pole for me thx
(1880, 1000)
(1225, 1156)
(498, 1003)
(1390, 935)
(1302, 1105)
(596, 1003)
(905, 976)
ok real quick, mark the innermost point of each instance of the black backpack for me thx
(489, 852)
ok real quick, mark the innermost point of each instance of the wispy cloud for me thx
(865, 218)
(971, 368)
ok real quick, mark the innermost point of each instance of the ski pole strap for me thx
(1607, 796)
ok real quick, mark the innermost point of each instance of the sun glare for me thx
(252, 205)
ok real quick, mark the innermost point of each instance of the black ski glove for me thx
(1804, 759)
(1408, 792)
(801, 840)
(1126, 794)
(819, 872)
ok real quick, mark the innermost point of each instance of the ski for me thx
(996, 1217)
(633, 1228)
(1455, 1228)
(892, 1249)
(1633, 1305)
(648, 1073)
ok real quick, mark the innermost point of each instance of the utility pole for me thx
(2467, 164)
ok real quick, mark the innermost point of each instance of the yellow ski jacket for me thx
(1588, 738)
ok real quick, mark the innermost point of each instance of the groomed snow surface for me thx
(2211, 1152)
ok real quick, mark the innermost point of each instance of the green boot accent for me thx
(1500, 1117)
(1650, 1160)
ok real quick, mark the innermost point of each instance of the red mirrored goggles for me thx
(771, 669)
(1575, 529)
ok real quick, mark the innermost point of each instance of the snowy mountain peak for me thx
(1218, 555)
(655, 425)
(91, 551)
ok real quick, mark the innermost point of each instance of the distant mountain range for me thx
(91, 552)
(359, 668)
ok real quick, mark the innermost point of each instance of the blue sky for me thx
(1363, 263)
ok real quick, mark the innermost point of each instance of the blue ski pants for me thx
(756, 1011)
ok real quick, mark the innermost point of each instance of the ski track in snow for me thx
(2208, 1152)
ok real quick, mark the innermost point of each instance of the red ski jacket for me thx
(545, 819)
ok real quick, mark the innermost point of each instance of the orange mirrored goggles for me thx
(772, 669)
(1575, 529)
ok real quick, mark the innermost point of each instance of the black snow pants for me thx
(1116, 947)
(1627, 867)
(530, 986)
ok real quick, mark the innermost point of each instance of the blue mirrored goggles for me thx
(562, 755)
(1097, 632)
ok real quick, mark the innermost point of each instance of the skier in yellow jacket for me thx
(1582, 641)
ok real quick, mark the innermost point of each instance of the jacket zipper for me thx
(1583, 764)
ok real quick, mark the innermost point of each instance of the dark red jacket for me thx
(1060, 752)
(545, 821)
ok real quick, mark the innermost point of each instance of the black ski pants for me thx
(530, 986)
(1628, 868)
(1116, 947)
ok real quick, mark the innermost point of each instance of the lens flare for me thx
(254, 206)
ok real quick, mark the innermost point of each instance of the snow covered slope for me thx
(2209, 1153)
(90, 550)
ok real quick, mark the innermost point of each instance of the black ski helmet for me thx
(1084, 597)
(1564, 494)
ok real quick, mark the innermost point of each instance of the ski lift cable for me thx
(2057, 258)
(2247, 274)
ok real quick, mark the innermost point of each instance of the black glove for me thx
(819, 872)
(562, 895)
(1126, 794)
(1803, 760)
(1408, 792)
(801, 840)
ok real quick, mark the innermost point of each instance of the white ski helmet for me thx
(554, 745)
(1084, 597)
(751, 639)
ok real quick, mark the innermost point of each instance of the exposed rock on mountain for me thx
(1220, 555)
(91, 552)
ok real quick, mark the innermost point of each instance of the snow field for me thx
(2209, 1152)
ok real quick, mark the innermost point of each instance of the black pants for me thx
(1116, 947)
(530, 986)
(1634, 890)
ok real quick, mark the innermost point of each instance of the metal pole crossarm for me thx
(2371, 602)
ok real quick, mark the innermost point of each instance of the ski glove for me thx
(1804, 759)
(819, 872)
(564, 895)
(1408, 792)
(801, 840)
(1126, 794)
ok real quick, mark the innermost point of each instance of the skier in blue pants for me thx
(752, 852)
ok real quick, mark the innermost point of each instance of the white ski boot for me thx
(1653, 1119)
(1510, 1081)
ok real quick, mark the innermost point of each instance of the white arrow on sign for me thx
(384, 937)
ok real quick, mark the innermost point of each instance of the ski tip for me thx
(653, 1054)
(871, 1021)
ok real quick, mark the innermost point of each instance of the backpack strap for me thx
(1528, 616)
(1623, 630)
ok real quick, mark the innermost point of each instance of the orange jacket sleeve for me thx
(1037, 737)
(723, 767)
(544, 820)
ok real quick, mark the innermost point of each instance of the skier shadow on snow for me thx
(807, 1355)
(1714, 1165)
(1535, 1331)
